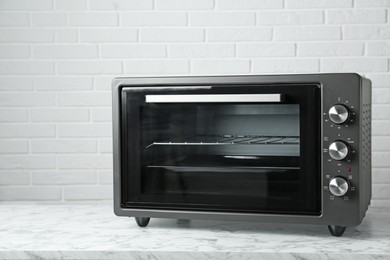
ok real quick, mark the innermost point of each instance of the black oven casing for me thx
(349, 89)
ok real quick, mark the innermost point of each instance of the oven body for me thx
(248, 148)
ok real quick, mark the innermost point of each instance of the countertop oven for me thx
(283, 148)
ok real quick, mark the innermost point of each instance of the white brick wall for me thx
(58, 57)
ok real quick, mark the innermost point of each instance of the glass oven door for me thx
(220, 150)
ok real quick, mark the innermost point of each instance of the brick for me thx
(105, 5)
(64, 177)
(103, 83)
(26, 35)
(60, 115)
(13, 146)
(172, 35)
(223, 19)
(201, 50)
(379, 96)
(306, 4)
(381, 159)
(372, 3)
(380, 144)
(314, 33)
(356, 16)
(354, 64)
(65, 51)
(366, 32)
(380, 112)
(14, 51)
(247, 34)
(27, 162)
(13, 115)
(101, 192)
(48, 19)
(85, 130)
(285, 65)
(93, 19)
(64, 83)
(105, 176)
(71, 4)
(319, 49)
(84, 99)
(109, 35)
(221, 66)
(380, 175)
(64, 146)
(27, 99)
(67, 35)
(378, 48)
(14, 19)
(14, 178)
(27, 130)
(290, 17)
(16, 83)
(28, 193)
(153, 19)
(249, 4)
(155, 67)
(90, 67)
(134, 51)
(380, 128)
(255, 50)
(26, 67)
(380, 203)
(381, 191)
(26, 5)
(105, 146)
(85, 161)
(379, 79)
(184, 4)
(100, 114)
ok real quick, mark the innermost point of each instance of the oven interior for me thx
(235, 155)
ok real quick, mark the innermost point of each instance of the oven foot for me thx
(141, 221)
(336, 231)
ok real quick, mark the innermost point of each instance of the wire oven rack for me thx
(230, 139)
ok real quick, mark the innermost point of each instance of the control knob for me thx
(338, 186)
(338, 114)
(338, 150)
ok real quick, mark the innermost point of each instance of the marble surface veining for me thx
(37, 231)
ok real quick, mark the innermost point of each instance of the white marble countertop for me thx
(30, 231)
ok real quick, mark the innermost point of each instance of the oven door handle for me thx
(215, 98)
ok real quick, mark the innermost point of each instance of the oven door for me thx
(217, 149)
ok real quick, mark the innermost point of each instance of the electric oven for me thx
(282, 148)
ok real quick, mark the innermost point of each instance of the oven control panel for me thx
(339, 150)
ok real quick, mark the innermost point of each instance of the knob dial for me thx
(338, 114)
(338, 186)
(338, 150)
